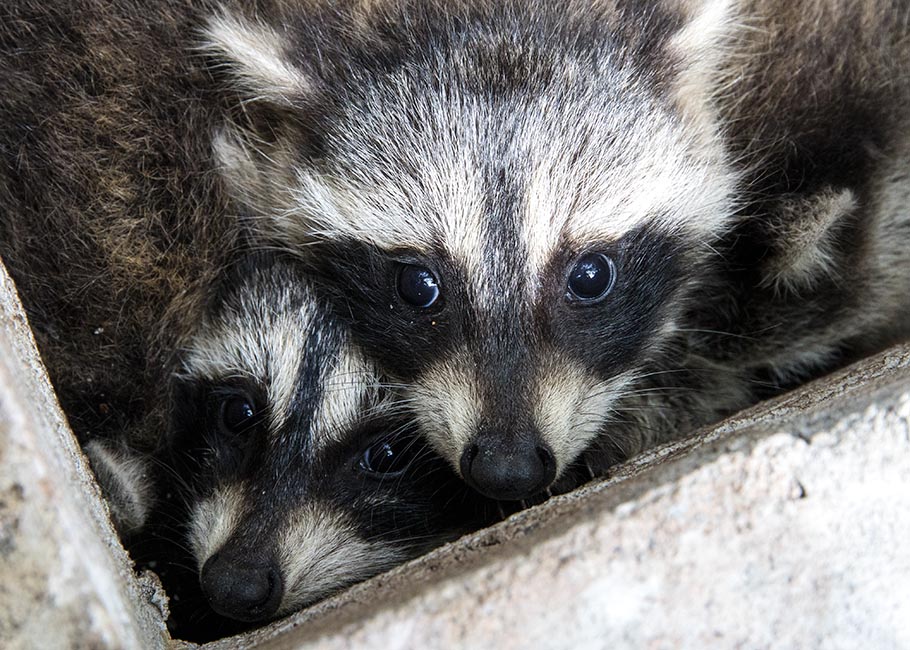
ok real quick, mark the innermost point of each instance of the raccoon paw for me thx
(125, 478)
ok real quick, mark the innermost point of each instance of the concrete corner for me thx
(65, 581)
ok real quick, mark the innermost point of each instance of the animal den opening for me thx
(798, 504)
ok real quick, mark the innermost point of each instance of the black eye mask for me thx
(388, 457)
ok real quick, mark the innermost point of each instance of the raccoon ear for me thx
(256, 57)
(253, 149)
(258, 172)
(700, 47)
(804, 233)
(125, 478)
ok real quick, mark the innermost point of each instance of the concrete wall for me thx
(65, 581)
(785, 526)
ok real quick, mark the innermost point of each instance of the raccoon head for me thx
(299, 478)
(511, 205)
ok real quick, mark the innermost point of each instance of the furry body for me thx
(155, 319)
(112, 219)
(741, 165)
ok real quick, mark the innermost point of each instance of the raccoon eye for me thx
(417, 285)
(592, 277)
(237, 413)
(387, 458)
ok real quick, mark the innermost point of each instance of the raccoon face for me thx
(300, 478)
(512, 213)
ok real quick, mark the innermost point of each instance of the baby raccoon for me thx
(573, 230)
(195, 373)
(297, 473)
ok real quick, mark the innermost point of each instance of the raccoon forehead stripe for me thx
(320, 552)
(592, 201)
(347, 386)
(334, 208)
(268, 354)
(316, 382)
(445, 206)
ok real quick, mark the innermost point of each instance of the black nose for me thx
(509, 469)
(243, 588)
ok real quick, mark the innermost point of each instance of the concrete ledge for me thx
(65, 581)
(785, 526)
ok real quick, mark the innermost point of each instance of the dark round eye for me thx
(386, 458)
(237, 413)
(592, 277)
(417, 285)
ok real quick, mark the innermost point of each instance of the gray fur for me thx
(764, 143)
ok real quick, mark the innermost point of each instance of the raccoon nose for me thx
(506, 468)
(242, 588)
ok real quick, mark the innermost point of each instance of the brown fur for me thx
(111, 215)
(813, 96)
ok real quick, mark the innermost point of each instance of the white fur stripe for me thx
(448, 406)
(320, 552)
(214, 520)
(258, 53)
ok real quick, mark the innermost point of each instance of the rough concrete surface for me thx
(65, 581)
(784, 527)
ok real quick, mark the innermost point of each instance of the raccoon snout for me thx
(508, 469)
(242, 588)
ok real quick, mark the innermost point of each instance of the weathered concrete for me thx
(784, 527)
(65, 581)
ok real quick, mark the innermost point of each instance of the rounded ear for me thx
(257, 146)
(804, 232)
(258, 173)
(701, 47)
(125, 478)
(255, 57)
